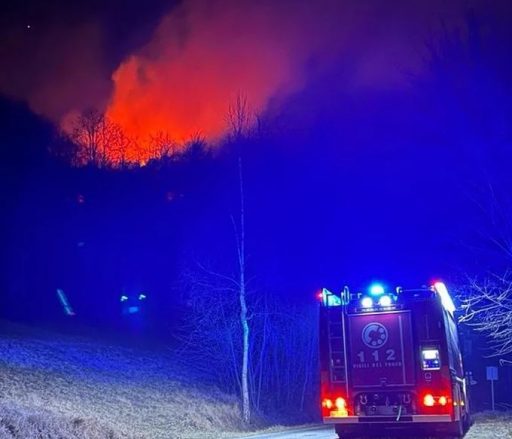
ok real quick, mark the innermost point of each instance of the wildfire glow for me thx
(199, 59)
(203, 54)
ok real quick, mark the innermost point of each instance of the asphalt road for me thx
(320, 432)
(486, 428)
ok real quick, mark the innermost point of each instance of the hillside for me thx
(54, 385)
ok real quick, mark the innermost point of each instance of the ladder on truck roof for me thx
(337, 366)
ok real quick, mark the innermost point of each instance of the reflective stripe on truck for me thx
(387, 419)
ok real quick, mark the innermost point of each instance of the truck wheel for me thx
(458, 430)
(468, 422)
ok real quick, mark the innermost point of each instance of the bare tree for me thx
(487, 307)
(116, 145)
(239, 118)
(244, 319)
(195, 148)
(100, 141)
(86, 133)
(282, 348)
(284, 355)
(231, 318)
(487, 300)
(211, 332)
(495, 232)
(254, 346)
(162, 145)
(63, 148)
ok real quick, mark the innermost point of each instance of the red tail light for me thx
(327, 403)
(428, 400)
(334, 407)
(437, 403)
(340, 403)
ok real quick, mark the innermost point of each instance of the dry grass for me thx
(54, 386)
(489, 425)
(22, 422)
(66, 387)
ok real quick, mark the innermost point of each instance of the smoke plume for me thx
(203, 53)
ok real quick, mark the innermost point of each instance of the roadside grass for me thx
(491, 425)
(29, 423)
(57, 386)
(61, 386)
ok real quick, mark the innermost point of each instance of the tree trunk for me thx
(246, 409)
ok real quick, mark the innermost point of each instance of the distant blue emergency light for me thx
(133, 304)
(376, 290)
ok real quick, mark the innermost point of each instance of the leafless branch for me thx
(487, 307)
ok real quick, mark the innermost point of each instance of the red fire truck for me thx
(391, 363)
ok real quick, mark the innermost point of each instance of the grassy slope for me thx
(54, 386)
(60, 386)
(490, 425)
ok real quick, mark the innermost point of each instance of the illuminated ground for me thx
(56, 386)
(72, 387)
(492, 426)
(487, 426)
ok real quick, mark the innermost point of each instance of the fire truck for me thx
(391, 364)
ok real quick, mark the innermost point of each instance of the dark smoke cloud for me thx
(56, 71)
(59, 55)
(203, 52)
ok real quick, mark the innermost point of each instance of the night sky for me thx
(383, 142)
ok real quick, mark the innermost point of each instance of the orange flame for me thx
(199, 59)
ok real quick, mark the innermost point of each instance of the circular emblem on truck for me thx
(374, 335)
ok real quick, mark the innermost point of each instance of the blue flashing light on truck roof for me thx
(377, 290)
(391, 362)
